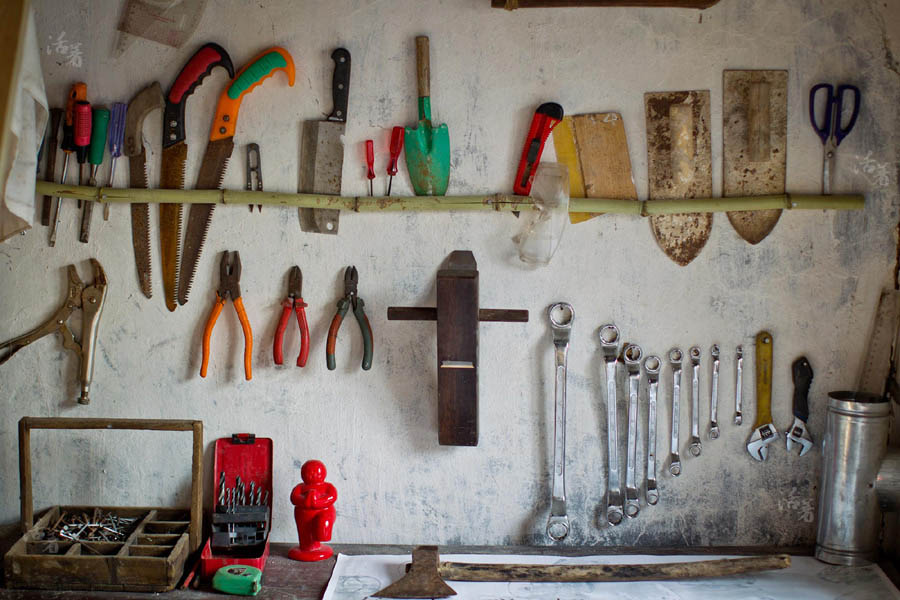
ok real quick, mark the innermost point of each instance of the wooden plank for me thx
(79, 423)
(429, 313)
(514, 4)
(754, 110)
(196, 527)
(603, 153)
(25, 487)
(457, 343)
(679, 166)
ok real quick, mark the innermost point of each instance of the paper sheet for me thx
(356, 577)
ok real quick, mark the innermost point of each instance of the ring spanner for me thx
(675, 357)
(561, 316)
(738, 383)
(632, 355)
(609, 345)
(651, 367)
(695, 446)
(714, 394)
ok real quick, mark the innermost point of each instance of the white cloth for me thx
(24, 131)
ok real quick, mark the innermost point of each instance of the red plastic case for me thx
(250, 457)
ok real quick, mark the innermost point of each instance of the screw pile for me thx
(100, 527)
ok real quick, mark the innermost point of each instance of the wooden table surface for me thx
(284, 578)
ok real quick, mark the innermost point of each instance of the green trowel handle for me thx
(423, 76)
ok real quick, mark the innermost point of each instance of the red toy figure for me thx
(314, 513)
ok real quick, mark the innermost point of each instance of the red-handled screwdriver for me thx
(370, 164)
(396, 147)
(77, 93)
(82, 136)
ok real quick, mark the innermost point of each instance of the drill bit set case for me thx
(113, 548)
(242, 504)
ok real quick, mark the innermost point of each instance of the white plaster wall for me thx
(813, 282)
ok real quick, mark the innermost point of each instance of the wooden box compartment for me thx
(150, 559)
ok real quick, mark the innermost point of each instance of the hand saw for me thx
(174, 155)
(218, 151)
(148, 99)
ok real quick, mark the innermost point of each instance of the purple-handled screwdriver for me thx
(116, 139)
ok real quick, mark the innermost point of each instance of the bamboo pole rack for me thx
(489, 202)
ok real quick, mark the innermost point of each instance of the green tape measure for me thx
(240, 580)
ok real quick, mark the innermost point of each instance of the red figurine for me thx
(314, 513)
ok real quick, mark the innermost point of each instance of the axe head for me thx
(422, 580)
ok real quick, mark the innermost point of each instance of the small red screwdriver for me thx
(82, 134)
(396, 147)
(370, 164)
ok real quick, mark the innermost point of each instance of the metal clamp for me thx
(561, 316)
(609, 345)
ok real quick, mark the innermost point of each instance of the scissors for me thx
(831, 132)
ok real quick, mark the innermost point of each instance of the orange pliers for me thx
(229, 284)
(294, 302)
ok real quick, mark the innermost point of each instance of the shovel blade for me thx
(427, 151)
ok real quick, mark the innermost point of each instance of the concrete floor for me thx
(814, 282)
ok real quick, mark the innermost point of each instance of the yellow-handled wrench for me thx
(764, 432)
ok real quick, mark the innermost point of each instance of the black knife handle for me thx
(802, 375)
(201, 64)
(340, 85)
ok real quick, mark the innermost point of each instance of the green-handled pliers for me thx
(351, 298)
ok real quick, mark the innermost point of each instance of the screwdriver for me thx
(77, 93)
(82, 136)
(99, 125)
(116, 141)
(370, 163)
(396, 147)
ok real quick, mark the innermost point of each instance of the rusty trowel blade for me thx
(321, 168)
(679, 166)
(422, 580)
(754, 109)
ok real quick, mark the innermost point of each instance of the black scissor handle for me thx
(824, 132)
(841, 132)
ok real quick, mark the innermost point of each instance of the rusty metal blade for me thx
(140, 223)
(321, 168)
(212, 171)
(754, 110)
(171, 177)
(679, 166)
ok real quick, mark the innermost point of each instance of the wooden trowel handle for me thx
(423, 66)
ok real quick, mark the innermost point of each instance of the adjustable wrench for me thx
(695, 401)
(738, 383)
(714, 394)
(651, 367)
(609, 345)
(764, 432)
(632, 355)
(675, 357)
(561, 316)
(802, 374)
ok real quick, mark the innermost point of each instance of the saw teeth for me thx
(221, 183)
(184, 285)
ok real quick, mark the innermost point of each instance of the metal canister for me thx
(855, 442)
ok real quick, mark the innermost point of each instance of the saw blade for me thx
(212, 171)
(875, 369)
(171, 178)
(140, 223)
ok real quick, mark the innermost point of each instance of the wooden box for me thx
(152, 557)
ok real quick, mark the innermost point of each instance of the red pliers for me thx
(294, 301)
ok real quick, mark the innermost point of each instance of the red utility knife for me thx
(546, 117)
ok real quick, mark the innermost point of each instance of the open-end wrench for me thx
(609, 345)
(738, 383)
(632, 355)
(802, 374)
(764, 432)
(675, 357)
(651, 367)
(695, 446)
(714, 394)
(561, 316)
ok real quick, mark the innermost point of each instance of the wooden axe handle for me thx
(587, 573)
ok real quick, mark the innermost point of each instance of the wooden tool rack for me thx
(152, 557)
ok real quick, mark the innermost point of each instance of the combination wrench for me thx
(632, 355)
(675, 357)
(714, 394)
(561, 316)
(695, 446)
(651, 367)
(609, 345)
(738, 383)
